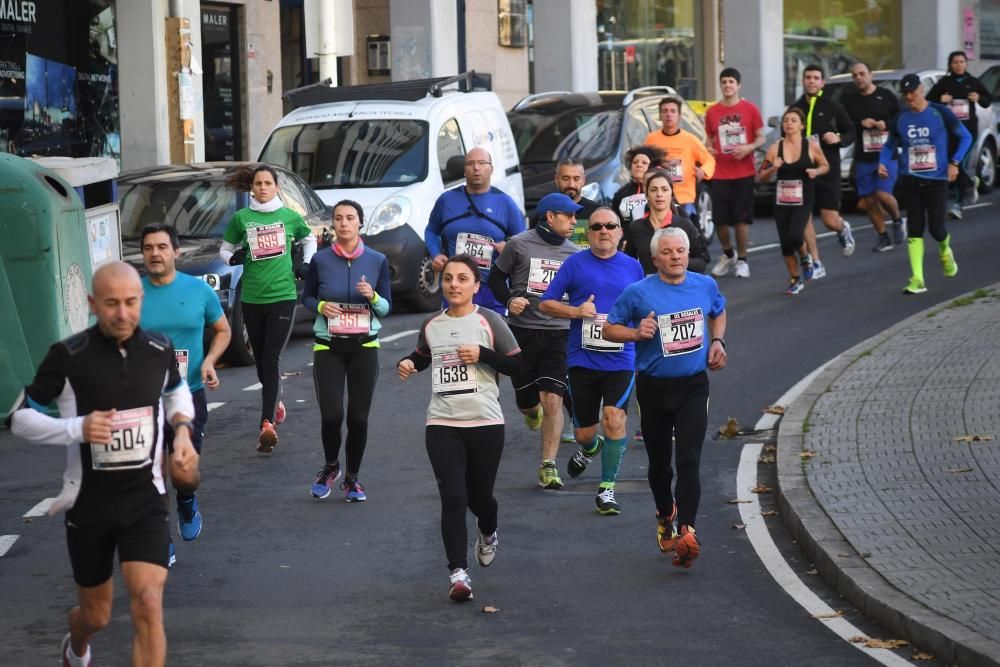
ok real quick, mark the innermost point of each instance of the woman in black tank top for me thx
(797, 163)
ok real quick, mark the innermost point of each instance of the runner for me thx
(475, 220)
(872, 108)
(961, 92)
(570, 179)
(735, 130)
(631, 196)
(668, 316)
(260, 238)
(522, 273)
(181, 307)
(599, 372)
(467, 346)
(115, 386)
(798, 162)
(687, 160)
(922, 131)
(828, 124)
(339, 289)
(661, 211)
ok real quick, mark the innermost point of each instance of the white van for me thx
(395, 157)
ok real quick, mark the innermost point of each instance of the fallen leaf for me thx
(833, 614)
(731, 428)
(857, 639)
(289, 374)
(769, 513)
(28, 520)
(738, 526)
(775, 410)
(738, 501)
(771, 448)
(805, 456)
(813, 571)
(487, 609)
(921, 655)
(961, 469)
(973, 438)
(767, 458)
(761, 488)
(886, 643)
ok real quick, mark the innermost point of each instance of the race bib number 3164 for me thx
(682, 332)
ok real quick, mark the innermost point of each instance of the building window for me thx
(379, 58)
(512, 19)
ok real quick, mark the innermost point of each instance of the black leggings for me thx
(668, 408)
(465, 462)
(269, 326)
(926, 204)
(359, 368)
(791, 222)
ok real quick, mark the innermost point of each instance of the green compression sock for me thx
(915, 248)
(944, 245)
(611, 458)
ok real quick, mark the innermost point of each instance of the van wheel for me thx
(705, 221)
(987, 167)
(426, 294)
(239, 352)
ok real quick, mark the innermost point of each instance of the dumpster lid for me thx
(81, 170)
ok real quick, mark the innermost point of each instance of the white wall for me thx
(931, 30)
(565, 45)
(424, 39)
(760, 61)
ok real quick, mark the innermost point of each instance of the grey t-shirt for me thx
(532, 263)
(464, 395)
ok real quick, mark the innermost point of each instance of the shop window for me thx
(512, 26)
(379, 58)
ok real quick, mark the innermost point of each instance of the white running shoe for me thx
(724, 266)
(819, 271)
(461, 585)
(486, 548)
(742, 269)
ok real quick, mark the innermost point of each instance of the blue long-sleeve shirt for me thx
(923, 137)
(333, 278)
(495, 216)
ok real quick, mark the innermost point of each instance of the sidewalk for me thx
(899, 510)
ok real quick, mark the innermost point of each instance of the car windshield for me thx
(352, 153)
(583, 134)
(196, 208)
(838, 91)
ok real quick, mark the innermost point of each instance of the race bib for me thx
(923, 158)
(354, 318)
(732, 137)
(266, 241)
(132, 440)
(960, 108)
(590, 335)
(541, 273)
(789, 193)
(675, 168)
(476, 246)
(872, 139)
(453, 376)
(182, 357)
(681, 333)
(629, 204)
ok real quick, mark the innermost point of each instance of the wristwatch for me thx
(954, 163)
(722, 342)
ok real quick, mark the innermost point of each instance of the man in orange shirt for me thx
(686, 158)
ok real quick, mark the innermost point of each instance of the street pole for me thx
(327, 52)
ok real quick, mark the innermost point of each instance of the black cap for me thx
(909, 83)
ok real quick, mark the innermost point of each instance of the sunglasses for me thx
(596, 227)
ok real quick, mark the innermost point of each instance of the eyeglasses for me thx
(478, 163)
(596, 227)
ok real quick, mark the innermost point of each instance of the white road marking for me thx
(41, 509)
(253, 387)
(6, 542)
(401, 334)
(979, 205)
(767, 551)
(213, 406)
(768, 421)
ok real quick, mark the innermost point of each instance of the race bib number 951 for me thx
(682, 332)
(132, 439)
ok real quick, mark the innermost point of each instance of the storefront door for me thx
(222, 82)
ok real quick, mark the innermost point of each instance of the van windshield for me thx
(352, 153)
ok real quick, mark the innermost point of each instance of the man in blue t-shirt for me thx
(474, 220)
(921, 131)
(677, 321)
(181, 307)
(599, 371)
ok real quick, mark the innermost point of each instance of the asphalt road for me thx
(278, 578)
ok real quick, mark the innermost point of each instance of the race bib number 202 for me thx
(682, 332)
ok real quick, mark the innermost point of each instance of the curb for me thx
(837, 560)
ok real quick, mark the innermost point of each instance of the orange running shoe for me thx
(267, 439)
(666, 535)
(279, 414)
(687, 548)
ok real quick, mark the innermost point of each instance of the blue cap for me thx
(557, 202)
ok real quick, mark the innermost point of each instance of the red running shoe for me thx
(687, 548)
(267, 439)
(280, 414)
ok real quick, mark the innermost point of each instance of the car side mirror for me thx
(454, 169)
(772, 121)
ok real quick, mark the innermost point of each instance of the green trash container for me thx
(44, 270)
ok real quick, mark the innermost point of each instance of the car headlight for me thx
(591, 191)
(392, 213)
(213, 280)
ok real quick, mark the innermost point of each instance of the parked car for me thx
(195, 199)
(394, 148)
(984, 151)
(597, 128)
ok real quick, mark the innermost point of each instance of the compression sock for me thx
(943, 246)
(593, 447)
(611, 458)
(915, 248)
